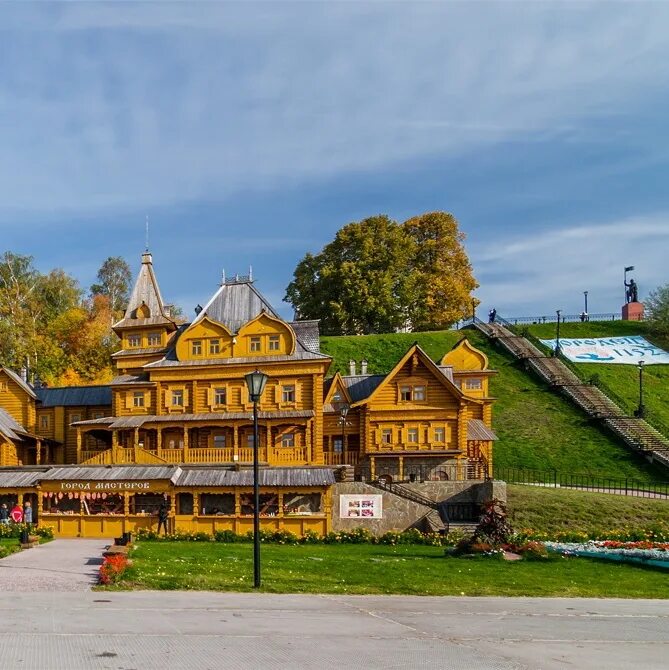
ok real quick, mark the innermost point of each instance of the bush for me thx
(15, 530)
(493, 526)
(113, 568)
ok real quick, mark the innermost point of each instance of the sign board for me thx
(360, 506)
(628, 350)
(106, 486)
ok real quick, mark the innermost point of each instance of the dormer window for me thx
(154, 339)
(134, 340)
(405, 393)
(255, 345)
(274, 342)
(337, 397)
(473, 384)
(215, 346)
(419, 393)
(416, 393)
(196, 347)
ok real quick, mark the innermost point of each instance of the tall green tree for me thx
(114, 278)
(657, 310)
(380, 276)
(359, 282)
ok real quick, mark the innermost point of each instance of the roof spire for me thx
(223, 277)
(250, 273)
(147, 235)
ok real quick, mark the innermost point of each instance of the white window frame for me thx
(274, 343)
(220, 391)
(406, 391)
(474, 384)
(288, 440)
(288, 393)
(415, 391)
(215, 346)
(154, 339)
(138, 399)
(337, 445)
(134, 341)
(386, 433)
(410, 432)
(177, 393)
(196, 347)
(439, 430)
(255, 344)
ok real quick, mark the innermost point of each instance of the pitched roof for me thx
(170, 360)
(145, 292)
(17, 479)
(10, 427)
(24, 385)
(116, 473)
(235, 303)
(360, 387)
(477, 430)
(75, 396)
(267, 477)
(308, 334)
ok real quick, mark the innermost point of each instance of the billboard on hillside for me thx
(628, 350)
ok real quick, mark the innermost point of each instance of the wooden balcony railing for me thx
(288, 456)
(214, 455)
(341, 458)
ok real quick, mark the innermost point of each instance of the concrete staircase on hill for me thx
(634, 432)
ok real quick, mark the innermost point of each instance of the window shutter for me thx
(185, 398)
(210, 397)
(168, 398)
(128, 400)
(298, 392)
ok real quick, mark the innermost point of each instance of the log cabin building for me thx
(95, 460)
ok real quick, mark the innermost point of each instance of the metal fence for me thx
(593, 483)
(564, 318)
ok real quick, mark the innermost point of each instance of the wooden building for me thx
(179, 402)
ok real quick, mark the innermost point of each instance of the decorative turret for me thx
(146, 326)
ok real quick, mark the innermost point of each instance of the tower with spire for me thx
(146, 326)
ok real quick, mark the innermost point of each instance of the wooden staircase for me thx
(633, 431)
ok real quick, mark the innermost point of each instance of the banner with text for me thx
(628, 350)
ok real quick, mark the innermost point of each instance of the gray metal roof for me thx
(447, 371)
(10, 427)
(267, 477)
(362, 386)
(24, 385)
(308, 334)
(234, 304)
(116, 473)
(300, 354)
(16, 479)
(142, 378)
(477, 430)
(136, 421)
(139, 352)
(75, 396)
(145, 292)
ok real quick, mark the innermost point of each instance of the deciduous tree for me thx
(114, 278)
(657, 310)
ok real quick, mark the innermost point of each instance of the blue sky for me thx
(250, 132)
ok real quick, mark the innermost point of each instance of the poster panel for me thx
(360, 506)
(627, 350)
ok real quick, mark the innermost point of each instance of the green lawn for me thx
(622, 380)
(8, 545)
(536, 428)
(555, 510)
(374, 569)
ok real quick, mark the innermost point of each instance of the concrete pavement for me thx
(60, 565)
(175, 630)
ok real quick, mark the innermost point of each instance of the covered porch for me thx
(228, 439)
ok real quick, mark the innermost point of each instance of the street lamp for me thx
(585, 296)
(641, 411)
(557, 349)
(255, 382)
(343, 413)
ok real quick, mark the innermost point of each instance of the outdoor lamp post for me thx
(585, 296)
(641, 410)
(557, 349)
(343, 413)
(255, 382)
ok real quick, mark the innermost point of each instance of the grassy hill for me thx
(621, 380)
(536, 428)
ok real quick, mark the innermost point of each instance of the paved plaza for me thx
(54, 622)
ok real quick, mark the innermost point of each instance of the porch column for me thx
(159, 442)
(400, 466)
(196, 503)
(79, 442)
(307, 441)
(38, 452)
(186, 452)
(136, 444)
(372, 467)
(39, 504)
(114, 445)
(235, 443)
(268, 442)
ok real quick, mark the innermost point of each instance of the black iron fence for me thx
(585, 482)
(564, 318)
(457, 472)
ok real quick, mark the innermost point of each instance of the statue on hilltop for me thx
(632, 291)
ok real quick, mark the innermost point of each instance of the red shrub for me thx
(112, 568)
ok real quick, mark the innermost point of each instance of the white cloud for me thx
(169, 102)
(553, 268)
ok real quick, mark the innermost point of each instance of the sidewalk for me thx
(60, 565)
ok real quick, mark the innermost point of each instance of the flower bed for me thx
(113, 568)
(15, 530)
(644, 552)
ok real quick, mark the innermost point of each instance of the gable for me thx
(265, 335)
(205, 339)
(337, 391)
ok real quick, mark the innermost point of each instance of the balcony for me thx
(341, 457)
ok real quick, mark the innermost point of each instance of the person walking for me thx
(163, 513)
(27, 512)
(16, 514)
(491, 315)
(4, 514)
